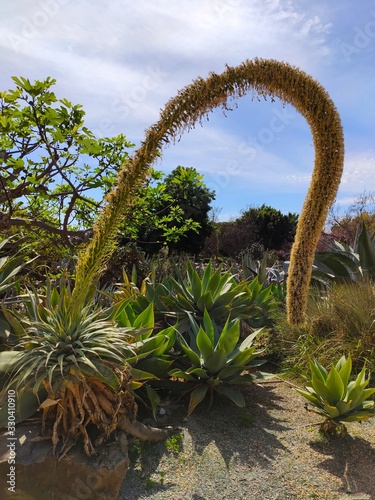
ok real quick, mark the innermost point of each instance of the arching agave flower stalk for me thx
(267, 78)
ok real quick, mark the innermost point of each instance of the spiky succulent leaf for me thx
(26, 405)
(318, 370)
(234, 395)
(204, 345)
(193, 356)
(229, 336)
(344, 368)
(209, 327)
(335, 386)
(196, 397)
(230, 371)
(198, 372)
(311, 397)
(335, 397)
(216, 361)
(331, 410)
(154, 399)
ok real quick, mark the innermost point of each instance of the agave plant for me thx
(150, 359)
(76, 358)
(336, 398)
(215, 291)
(215, 361)
(10, 266)
(345, 263)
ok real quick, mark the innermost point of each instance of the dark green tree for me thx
(264, 226)
(182, 202)
(270, 227)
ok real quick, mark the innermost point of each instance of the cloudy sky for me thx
(123, 60)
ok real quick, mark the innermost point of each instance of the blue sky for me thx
(123, 60)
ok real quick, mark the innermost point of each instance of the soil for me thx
(272, 449)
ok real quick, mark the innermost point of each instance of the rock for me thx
(40, 476)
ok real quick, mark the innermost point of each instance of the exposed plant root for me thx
(143, 432)
(333, 430)
(85, 401)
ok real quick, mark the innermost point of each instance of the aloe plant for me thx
(77, 357)
(336, 398)
(215, 361)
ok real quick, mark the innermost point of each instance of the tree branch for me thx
(6, 222)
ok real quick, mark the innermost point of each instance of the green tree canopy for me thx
(271, 228)
(53, 171)
(54, 175)
(264, 225)
(172, 210)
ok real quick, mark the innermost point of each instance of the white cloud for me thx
(123, 60)
(358, 173)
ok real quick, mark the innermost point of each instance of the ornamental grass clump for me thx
(336, 398)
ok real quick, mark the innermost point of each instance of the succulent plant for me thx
(336, 398)
(345, 263)
(215, 361)
(70, 363)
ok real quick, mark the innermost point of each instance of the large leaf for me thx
(216, 361)
(198, 372)
(205, 301)
(248, 342)
(320, 389)
(232, 394)
(230, 371)
(318, 371)
(209, 327)
(157, 366)
(145, 320)
(359, 416)
(193, 356)
(366, 251)
(335, 386)
(229, 336)
(331, 410)
(154, 398)
(311, 397)
(8, 359)
(196, 397)
(27, 404)
(140, 375)
(243, 357)
(195, 283)
(344, 368)
(204, 345)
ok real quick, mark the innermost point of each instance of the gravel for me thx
(269, 450)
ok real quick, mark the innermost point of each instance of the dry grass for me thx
(339, 321)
